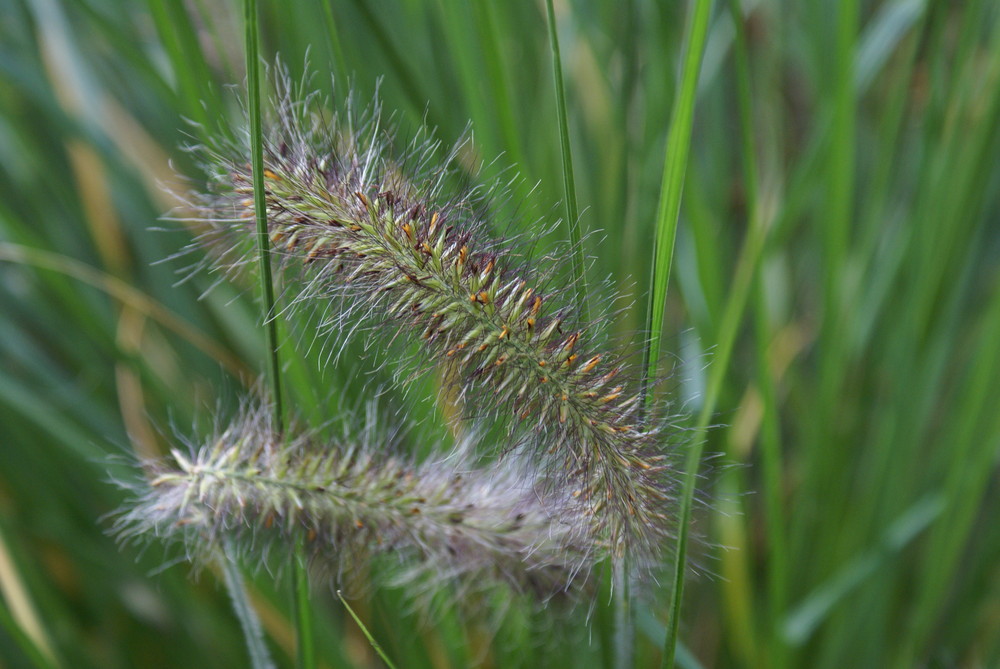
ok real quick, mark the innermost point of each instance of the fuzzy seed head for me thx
(381, 243)
(360, 506)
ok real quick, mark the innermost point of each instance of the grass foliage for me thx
(833, 310)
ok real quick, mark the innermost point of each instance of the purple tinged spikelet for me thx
(396, 248)
(354, 503)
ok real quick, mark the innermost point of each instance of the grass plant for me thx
(828, 339)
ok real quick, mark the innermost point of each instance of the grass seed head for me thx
(360, 507)
(378, 238)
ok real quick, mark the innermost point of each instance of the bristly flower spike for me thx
(357, 502)
(394, 246)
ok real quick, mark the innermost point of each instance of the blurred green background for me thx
(852, 503)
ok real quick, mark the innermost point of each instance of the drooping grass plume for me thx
(381, 241)
(359, 504)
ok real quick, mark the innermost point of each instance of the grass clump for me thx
(832, 300)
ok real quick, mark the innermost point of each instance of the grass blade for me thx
(569, 182)
(127, 295)
(672, 186)
(804, 618)
(678, 145)
(260, 657)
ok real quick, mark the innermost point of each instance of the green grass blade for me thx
(569, 181)
(499, 76)
(181, 43)
(968, 477)
(334, 38)
(672, 186)
(407, 77)
(770, 446)
(260, 657)
(839, 213)
(729, 327)
(807, 616)
(678, 145)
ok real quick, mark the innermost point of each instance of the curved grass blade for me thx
(126, 294)
(678, 145)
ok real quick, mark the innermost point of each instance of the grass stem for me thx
(260, 211)
(305, 654)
